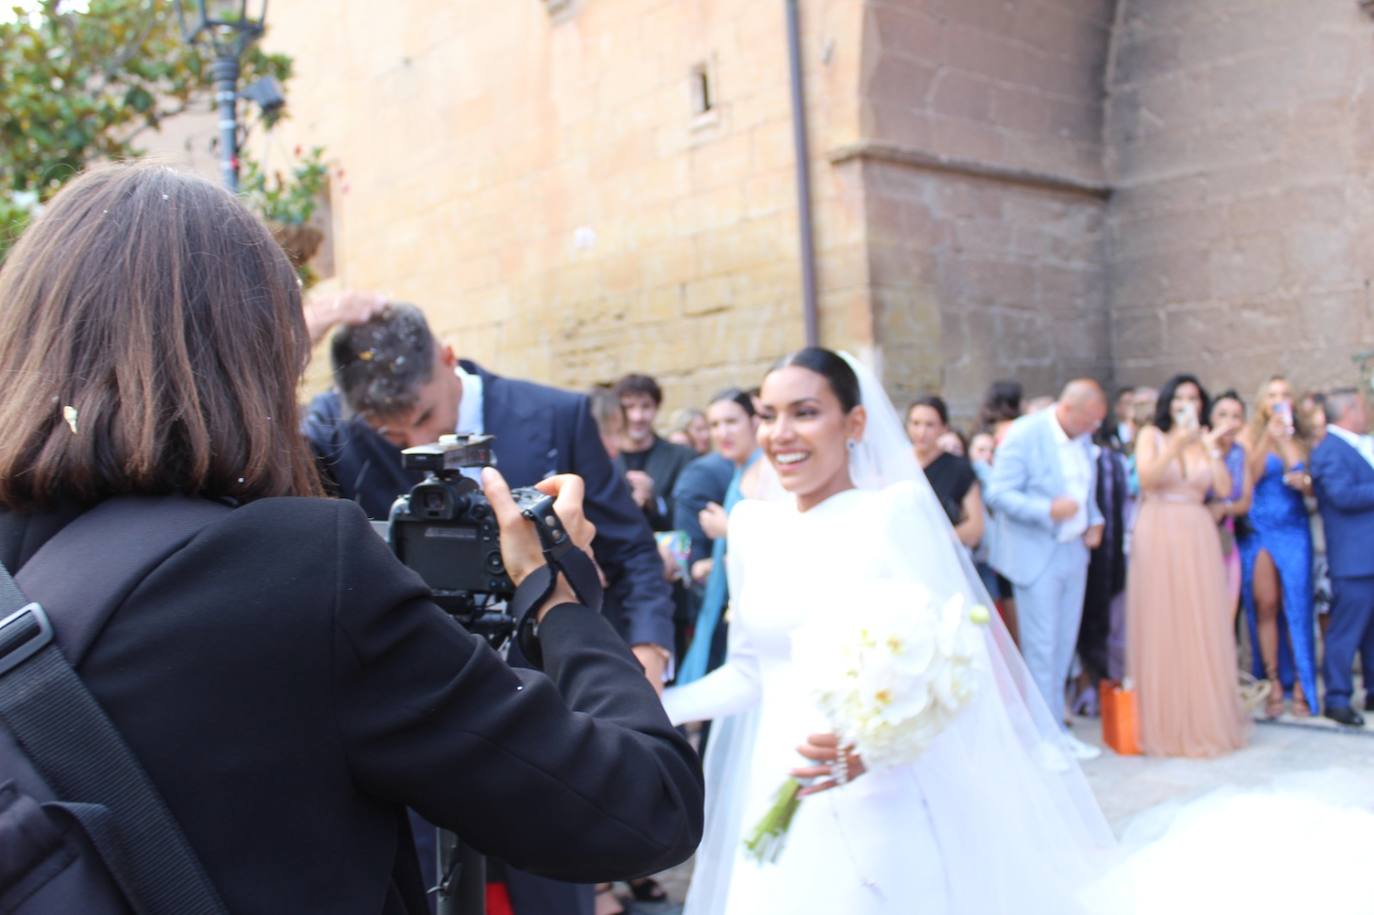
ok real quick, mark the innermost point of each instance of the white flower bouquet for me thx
(888, 680)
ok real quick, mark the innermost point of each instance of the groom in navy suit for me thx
(397, 387)
(1343, 476)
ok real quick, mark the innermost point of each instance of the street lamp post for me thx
(230, 29)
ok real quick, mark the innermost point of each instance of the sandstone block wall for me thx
(1003, 188)
(543, 186)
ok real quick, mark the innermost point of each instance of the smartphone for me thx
(1285, 409)
(1186, 415)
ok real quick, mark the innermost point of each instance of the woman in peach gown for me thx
(1181, 650)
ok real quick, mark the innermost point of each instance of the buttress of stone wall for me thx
(983, 193)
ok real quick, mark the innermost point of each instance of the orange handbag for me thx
(1120, 717)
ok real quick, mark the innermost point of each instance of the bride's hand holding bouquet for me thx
(888, 678)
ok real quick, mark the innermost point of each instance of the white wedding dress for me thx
(991, 818)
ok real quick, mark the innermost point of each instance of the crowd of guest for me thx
(1171, 541)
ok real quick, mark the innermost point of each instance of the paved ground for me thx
(1127, 785)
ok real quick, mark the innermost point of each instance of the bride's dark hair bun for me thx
(830, 366)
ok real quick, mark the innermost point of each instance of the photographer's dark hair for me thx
(151, 342)
(735, 395)
(935, 403)
(829, 365)
(381, 364)
(1164, 418)
(639, 384)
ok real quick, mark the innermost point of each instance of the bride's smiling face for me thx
(804, 431)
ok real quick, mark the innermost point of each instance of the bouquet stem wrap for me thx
(769, 834)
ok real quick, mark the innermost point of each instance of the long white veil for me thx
(1014, 816)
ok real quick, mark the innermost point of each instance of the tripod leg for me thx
(462, 878)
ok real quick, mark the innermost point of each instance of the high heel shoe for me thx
(1273, 706)
(1300, 707)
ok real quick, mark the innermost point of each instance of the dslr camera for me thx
(445, 530)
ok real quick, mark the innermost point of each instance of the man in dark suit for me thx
(397, 387)
(650, 464)
(384, 401)
(1343, 477)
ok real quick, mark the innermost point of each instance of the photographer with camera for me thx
(397, 387)
(288, 687)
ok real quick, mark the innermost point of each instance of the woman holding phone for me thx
(1229, 509)
(1180, 649)
(1276, 552)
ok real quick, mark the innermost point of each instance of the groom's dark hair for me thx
(381, 365)
(829, 365)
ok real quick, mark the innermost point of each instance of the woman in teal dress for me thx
(1276, 554)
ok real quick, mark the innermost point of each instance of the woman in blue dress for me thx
(1276, 553)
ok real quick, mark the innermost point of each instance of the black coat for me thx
(664, 463)
(540, 431)
(290, 689)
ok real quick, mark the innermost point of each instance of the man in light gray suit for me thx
(1042, 498)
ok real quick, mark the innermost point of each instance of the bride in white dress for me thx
(992, 817)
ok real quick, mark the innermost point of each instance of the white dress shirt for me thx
(1077, 473)
(470, 413)
(1361, 443)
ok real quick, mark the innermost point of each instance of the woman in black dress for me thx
(951, 476)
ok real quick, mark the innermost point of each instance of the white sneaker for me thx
(1080, 750)
(1052, 757)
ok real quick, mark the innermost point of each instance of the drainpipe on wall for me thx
(802, 152)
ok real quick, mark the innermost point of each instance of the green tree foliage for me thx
(80, 86)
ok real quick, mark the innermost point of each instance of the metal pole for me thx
(802, 151)
(225, 71)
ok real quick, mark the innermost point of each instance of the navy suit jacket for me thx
(540, 431)
(1344, 482)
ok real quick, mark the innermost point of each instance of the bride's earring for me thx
(853, 444)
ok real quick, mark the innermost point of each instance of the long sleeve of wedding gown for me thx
(735, 685)
(730, 688)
